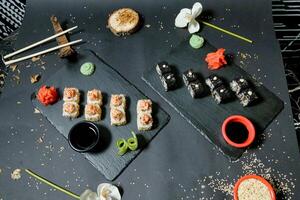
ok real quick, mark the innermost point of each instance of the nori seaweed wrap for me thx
(189, 76)
(196, 89)
(247, 97)
(169, 81)
(238, 85)
(221, 94)
(163, 68)
(213, 82)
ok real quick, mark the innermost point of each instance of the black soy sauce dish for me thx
(84, 136)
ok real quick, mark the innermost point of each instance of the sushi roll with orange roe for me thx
(117, 117)
(92, 112)
(144, 122)
(144, 115)
(94, 97)
(70, 110)
(71, 95)
(144, 105)
(118, 101)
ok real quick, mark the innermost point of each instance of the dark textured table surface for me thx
(169, 168)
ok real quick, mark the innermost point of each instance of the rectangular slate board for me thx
(204, 113)
(109, 81)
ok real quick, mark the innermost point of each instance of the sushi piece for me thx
(144, 106)
(163, 68)
(238, 85)
(247, 97)
(144, 122)
(196, 89)
(94, 96)
(117, 117)
(71, 94)
(118, 101)
(213, 82)
(92, 112)
(169, 81)
(70, 109)
(221, 94)
(144, 117)
(189, 76)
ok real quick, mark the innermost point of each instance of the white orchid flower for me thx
(88, 195)
(105, 191)
(187, 17)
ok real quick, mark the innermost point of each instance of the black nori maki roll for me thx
(221, 94)
(189, 76)
(196, 89)
(213, 82)
(163, 68)
(238, 85)
(169, 81)
(247, 97)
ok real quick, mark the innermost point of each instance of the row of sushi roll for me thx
(220, 92)
(92, 110)
(193, 83)
(244, 92)
(166, 75)
(144, 114)
(71, 107)
(240, 86)
(117, 110)
(71, 97)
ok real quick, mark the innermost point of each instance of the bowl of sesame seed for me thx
(253, 187)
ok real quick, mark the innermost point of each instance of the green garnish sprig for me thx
(123, 145)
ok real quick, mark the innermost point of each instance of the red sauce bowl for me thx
(252, 176)
(245, 122)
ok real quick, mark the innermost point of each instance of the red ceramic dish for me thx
(261, 179)
(247, 123)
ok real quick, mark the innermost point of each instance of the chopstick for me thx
(41, 52)
(38, 43)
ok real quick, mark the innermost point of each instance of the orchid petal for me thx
(108, 191)
(183, 18)
(186, 11)
(193, 26)
(197, 9)
(88, 195)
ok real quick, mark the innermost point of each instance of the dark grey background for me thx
(179, 158)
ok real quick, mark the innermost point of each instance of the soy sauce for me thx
(83, 137)
(237, 132)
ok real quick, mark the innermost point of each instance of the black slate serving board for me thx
(109, 81)
(204, 113)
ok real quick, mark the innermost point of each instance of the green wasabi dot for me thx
(196, 41)
(87, 68)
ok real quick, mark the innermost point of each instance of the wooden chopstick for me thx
(40, 53)
(38, 43)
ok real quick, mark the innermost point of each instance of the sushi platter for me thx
(109, 100)
(205, 98)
